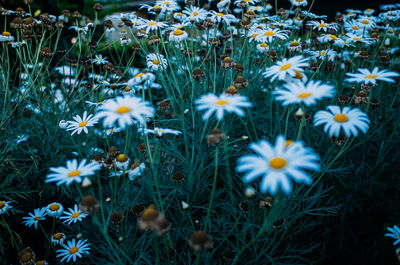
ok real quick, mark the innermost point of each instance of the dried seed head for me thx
(116, 218)
(137, 209)
(178, 177)
(76, 15)
(250, 14)
(113, 152)
(46, 52)
(344, 99)
(266, 202)
(244, 206)
(215, 136)
(231, 90)
(227, 63)
(16, 23)
(97, 7)
(200, 240)
(89, 204)
(108, 24)
(279, 223)
(27, 256)
(240, 82)
(198, 74)
(239, 68)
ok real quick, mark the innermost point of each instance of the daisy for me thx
(286, 67)
(99, 60)
(366, 76)
(347, 120)
(321, 26)
(267, 35)
(156, 62)
(367, 22)
(178, 35)
(223, 5)
(152, 25)
(352, 26)
(298, 92)
(248, 2)
(218, 17)
(136, 170)
(394, 233)
(168, 6)
(221, 104)
(21, 138)
(81, 124)
(299, 2)
(6, 37)
(65, 70)
(72, 172)
(34, 218)
(351, 37)
(73, 215)
(73, 249)
(262, 47)
(125, 111)
(113, 130)
(195, 14)
(278, 164)
(4, 207)
(54, 209)
(160, 131)
(58, 238)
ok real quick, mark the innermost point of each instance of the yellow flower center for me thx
(6, 33)
(285, 67)
(357, 39)
(2, 205)
(74, 173)
(369, 10)
(340, 118)
(355, 28)
(40, 262)
(178, 32)
(101, 102)
(166, 3)
(159, 130)
(323, 25)
(221, 102)
(298, 18)
(37, 218)
(220, 14)
(195, 14)
(73, 250)
(264, 45)
(254, 35)
(333, 37)
(123, 109)
(75, 215)
(304, 95)
(390, 31)
(322, 53)
(366, 22)
(82, 124)
(288, 142)
(269, 33)
(155, 61)
(122, 158)
(298, 75)
(134, 165)
(54, 207)
(57, 236)
(371, 76)
(152, 23)
(294, 43)
(139, 74)
(277, 163)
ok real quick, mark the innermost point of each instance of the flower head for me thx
(278, 164)
(367, 77)
(347, 119)
(73, 249)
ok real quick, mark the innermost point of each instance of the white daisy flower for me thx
(34, 218)
(220, 17)
(322, 26)
(366, 76)
(286, 67)
(136, 170)
(298, 2)
(73, 249)
(278, 164)
(267, 35)
(81, 124)
(347, 120)
(72, 172)
(262, 47)
(54, 209)
(73, 215)
(4, 207)
(152, 25)
(125, 111)
(99, 60)
(195, 14)
(58, 238)
(156, 62)
(160, 131)
(65, 70)
(298, 92)
(178, 35)
(6, 37)
(221, 104)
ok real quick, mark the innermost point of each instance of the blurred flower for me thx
(365, 76)
(277, 164)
